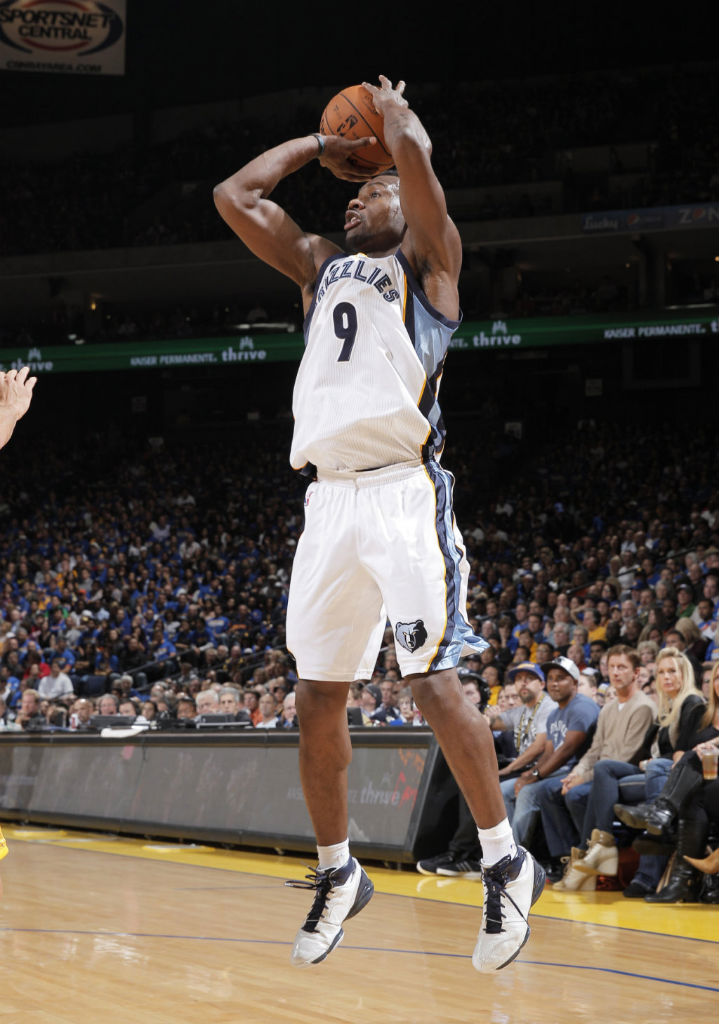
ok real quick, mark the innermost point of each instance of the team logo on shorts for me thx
(411, 634)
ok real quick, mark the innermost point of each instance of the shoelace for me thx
(493, 895)
(319, 880)
(493, 892)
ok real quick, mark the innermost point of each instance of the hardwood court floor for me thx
(101, 930)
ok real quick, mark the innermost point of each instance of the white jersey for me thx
(366, 391)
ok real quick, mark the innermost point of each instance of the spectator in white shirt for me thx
(58, 683)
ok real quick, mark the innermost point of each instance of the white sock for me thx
(333, 856)
(497, 842)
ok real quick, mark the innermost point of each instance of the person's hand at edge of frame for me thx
(16, 390)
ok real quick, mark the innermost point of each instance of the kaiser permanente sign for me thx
(228, 352)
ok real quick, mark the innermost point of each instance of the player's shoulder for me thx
(321, 252)
(441, 253)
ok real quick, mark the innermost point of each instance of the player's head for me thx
(374, 221)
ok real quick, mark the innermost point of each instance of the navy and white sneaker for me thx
(511, 887)
(469, 869)
(340, 893)
(431, 865)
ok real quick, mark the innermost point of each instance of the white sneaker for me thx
(511, 887)
(340, 894)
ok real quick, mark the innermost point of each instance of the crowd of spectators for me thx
(484, 134)
(174, 565)
(154, 589)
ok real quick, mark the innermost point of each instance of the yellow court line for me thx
(610, 909)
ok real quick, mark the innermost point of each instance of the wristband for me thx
(320, 143)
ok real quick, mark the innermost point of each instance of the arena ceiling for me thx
(180, 52)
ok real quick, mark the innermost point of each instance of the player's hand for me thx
(385, 97)
(16, 391)
(337, 153)
(389, 101)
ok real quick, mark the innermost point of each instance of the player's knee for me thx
(433, 690)
(318, 701)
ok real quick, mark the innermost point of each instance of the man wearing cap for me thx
(685, 601)
(570, 727)
(569, 816)
(529, 722)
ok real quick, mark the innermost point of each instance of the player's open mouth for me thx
(351, 221)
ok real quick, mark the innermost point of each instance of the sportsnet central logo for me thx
(46, 35)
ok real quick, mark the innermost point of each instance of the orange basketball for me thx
(351, 114)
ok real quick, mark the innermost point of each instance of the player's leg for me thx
(506, 787)
(341, 886)
(334, 625)
(325, 752)
(512, 879)
(416, 553)
(465, 739)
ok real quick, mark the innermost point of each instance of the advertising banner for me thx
(657, 218)
(245, 788)
(536, 332)
(78, 37)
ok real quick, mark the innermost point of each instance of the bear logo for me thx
(411, 634)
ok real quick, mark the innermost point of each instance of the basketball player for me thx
(380, 539)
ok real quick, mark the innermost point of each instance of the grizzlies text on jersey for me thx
(366, 391)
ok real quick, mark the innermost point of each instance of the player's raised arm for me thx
(433, 237)
(266, 229)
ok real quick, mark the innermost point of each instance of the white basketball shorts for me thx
(378, 546)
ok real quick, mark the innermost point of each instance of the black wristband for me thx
(320, 143)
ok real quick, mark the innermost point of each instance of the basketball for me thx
(351, 114)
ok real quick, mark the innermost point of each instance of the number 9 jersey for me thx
(366, 391)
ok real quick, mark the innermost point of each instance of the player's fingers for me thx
(22, 374)
(31, 383)
(10, 374)
(400, 87)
